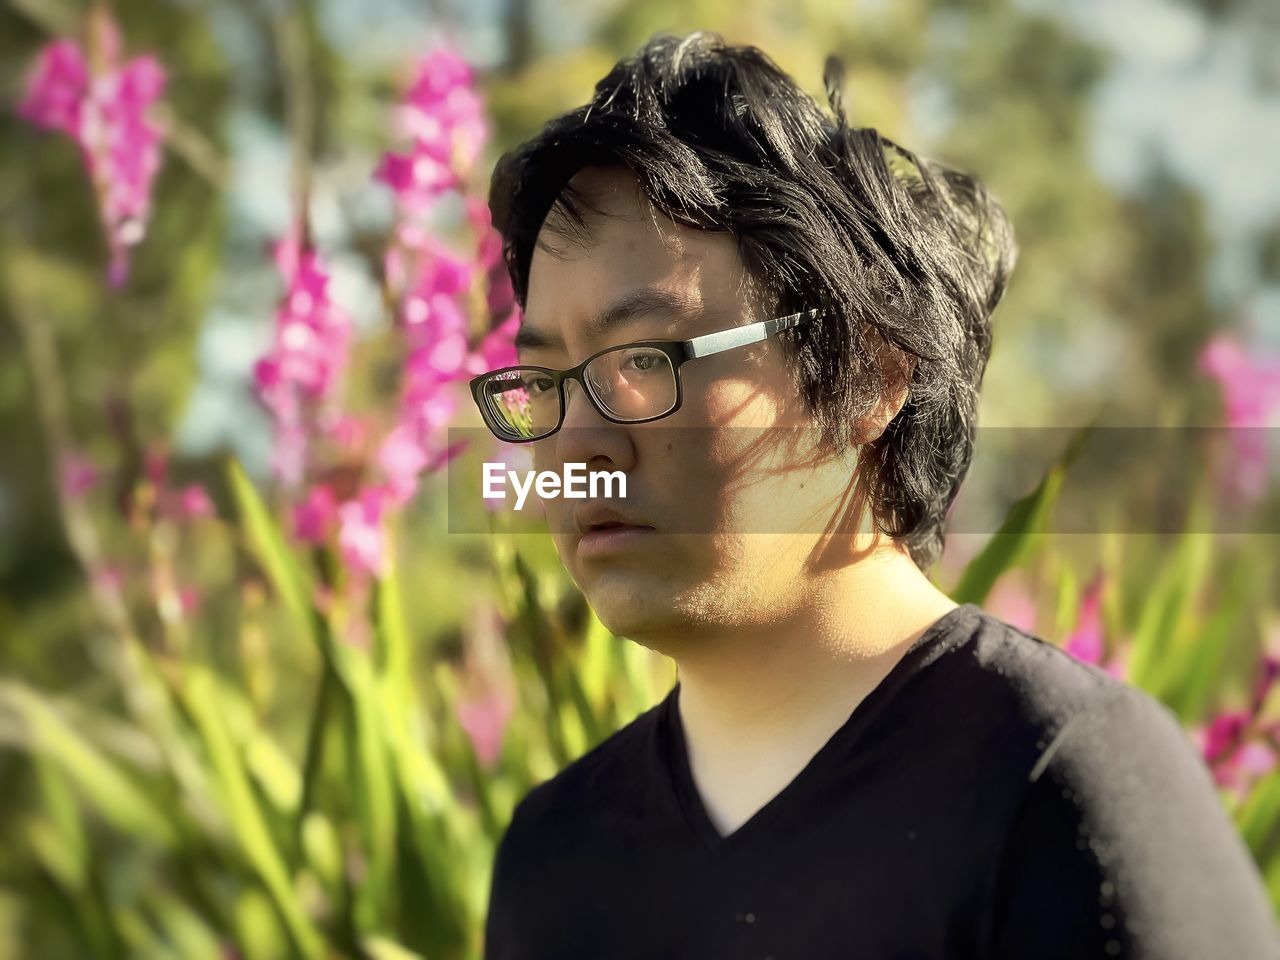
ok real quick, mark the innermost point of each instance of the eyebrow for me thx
(631, 306)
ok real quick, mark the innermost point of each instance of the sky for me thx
(1184, 88)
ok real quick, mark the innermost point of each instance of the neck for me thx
(787, 685)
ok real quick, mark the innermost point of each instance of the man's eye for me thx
(541, 385)
(642, 361)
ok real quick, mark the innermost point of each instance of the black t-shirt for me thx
(992, 797)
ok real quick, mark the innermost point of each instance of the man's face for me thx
(710, 478)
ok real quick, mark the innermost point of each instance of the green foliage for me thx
(257, 775)
(373, 835)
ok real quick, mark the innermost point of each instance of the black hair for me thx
(898, 249)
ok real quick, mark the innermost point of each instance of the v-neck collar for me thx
(680, 776)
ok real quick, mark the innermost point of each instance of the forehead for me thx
(628, 247)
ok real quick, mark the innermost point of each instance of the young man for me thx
(775, 326)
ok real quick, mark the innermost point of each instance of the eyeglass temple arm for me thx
(741, 336)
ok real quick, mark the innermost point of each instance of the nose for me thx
(579, 411)
(586, 436)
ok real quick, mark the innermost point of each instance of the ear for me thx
(897, 367)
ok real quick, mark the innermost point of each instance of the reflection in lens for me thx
(633, 383)
(522, 403)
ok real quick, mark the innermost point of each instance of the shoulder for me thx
(999, 696)
(1022, 710)
(1081, 715)
(1047, 684)
(1118, 841)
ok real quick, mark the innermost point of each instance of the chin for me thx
(627, 606)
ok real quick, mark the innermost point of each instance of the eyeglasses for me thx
(631, 383)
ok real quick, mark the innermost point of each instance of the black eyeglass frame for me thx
(679, 352)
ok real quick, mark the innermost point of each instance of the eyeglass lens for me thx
(632, 383)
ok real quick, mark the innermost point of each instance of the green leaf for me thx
(395, 652)
(588, 679)
(1271, 873)
(259, 935)
(1022, 527)
(97, 779)
(1067, 614)
(191, 937)
(272, 552)
(57, 853)
(69, 848)
(380, 948)
(1260, 813)
(1166, 613)
(323, 850)
(373, 786)
(434, 919)
(1007, 546)
(243, 811)
(1197, 672)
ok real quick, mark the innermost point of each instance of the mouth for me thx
(612, 537)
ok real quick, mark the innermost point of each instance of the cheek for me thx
(750, 394)
(543, 456)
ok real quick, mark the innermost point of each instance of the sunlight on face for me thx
(732, 482)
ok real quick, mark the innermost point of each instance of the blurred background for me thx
(257, 701)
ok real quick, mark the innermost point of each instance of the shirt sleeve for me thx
(1123, 848)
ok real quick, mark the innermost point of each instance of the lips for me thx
(596, 516)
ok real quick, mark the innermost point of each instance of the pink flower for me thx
(360, 536)
(1255, 760)
(109, 576)
(1251, 397)
(190, 598)
(1223, 733)
(193, 502)
(156, 466)
(416, 445)
(79, 475)
(484, 719)
(314, 517)
(56, 88)
(488, 697)
(1238, 745)
(302, 371)
(286, 252)
(446, 454)
(1011, 600)
(347, 431)
(107, 115)
(443, 117)
(1236, 754)
(401, 458)
(428, 406)
(1087, 641)
(312, 336)
(417, 177)
(289, 456)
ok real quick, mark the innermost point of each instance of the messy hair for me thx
(900, 251)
